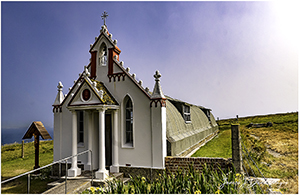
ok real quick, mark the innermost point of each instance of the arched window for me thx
(103, 55)
(129, 122)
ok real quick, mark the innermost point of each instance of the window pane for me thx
(129, 122)
(128, 113)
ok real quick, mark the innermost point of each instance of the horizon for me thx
(237, 58)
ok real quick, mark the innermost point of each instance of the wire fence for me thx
(251, 172)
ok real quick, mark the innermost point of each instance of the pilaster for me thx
(115, 144)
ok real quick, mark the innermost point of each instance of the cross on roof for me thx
(104, 16)
(157, 75)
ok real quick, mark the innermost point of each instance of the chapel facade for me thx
(110, 113)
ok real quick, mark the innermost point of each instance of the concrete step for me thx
(103, 183)
(73, 187)
(80, 183)
(54, 183)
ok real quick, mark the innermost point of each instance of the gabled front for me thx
(91, 93)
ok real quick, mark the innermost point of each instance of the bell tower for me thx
(104, 51)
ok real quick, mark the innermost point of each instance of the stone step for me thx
(103, 183)
(80, 183)
(73, 187)
(54, 183)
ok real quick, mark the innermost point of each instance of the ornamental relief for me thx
(104, 94)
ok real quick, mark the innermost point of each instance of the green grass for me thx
(220, 146)
(12, 165)
(281, 138)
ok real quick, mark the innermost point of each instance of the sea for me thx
(9, 136)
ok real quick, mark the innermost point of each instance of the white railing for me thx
(59, 161)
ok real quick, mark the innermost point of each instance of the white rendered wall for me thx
(140, 153)
(57, 131)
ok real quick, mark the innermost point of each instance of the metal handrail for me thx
(59, 161)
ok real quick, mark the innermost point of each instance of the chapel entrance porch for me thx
(102, 139)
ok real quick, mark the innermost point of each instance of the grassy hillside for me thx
(12, 165)
(274, 149)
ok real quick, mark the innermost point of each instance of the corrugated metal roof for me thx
(178, 129)
(186, 103)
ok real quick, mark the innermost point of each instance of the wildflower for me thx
(277, 190)
(143, 179)
(197, 192)
(237, 178)
(92, 190)
(218, 191)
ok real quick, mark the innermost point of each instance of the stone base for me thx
(114, 169)
(102, 174)
(74, 172)
(87, 167)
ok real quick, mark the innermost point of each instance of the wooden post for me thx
(36, 145)
(23, 149)
(236, 148)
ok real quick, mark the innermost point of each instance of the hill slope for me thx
(274, 149)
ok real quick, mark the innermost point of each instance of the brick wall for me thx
(148, 173)
(172, 164)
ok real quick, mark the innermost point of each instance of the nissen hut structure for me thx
(124, 124)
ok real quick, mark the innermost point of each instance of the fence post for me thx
(236, 147)
(59, 173)
(91, 168)
(23, 149)
(28, 184)
(65, 177)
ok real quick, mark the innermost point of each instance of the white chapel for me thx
(110, 113)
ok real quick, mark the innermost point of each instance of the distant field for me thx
(274, 149)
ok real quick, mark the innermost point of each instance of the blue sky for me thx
(233, 57)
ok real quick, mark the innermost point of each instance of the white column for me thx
(115, 167)
(74, 170)
(102, 173)
(90, 138)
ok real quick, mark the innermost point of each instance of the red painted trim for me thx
(161, 101)
(110, 61)
(118, 75)
(129, 76)
(93, 65)
(57, 108)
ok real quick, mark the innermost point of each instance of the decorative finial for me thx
(157, 76)
(86, 73)
(104, 16)
(60, 86)
(60, 97)
(157, 92)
